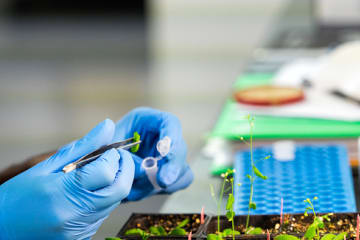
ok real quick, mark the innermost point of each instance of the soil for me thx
(293, 224)
(296, 224)
(338, 223)
(265, 222)
(167, 221)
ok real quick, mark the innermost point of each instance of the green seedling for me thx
(286, 237)
(159, 231)
(179, 229)
(255, 171)
(135, 148)
(328, 236)
(230, 214)
(113, 238)
(213, 236)
(313, 230)
(228, 177)
(254, 231)
(137, 232)
(219, 201)
(226, 233)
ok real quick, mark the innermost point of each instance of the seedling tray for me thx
(318, 170)
(342, 222)
(145, 220)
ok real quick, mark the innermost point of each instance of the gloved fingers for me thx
(140, 119)
(99, 173)
(184, 181)
(122, 184)
(99, 136)
(173, 165)
(139, 170)
(142, 187)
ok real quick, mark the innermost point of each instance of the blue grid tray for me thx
(317, 170)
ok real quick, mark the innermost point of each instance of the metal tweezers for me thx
(125, 144)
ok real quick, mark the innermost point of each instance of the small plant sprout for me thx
(313, 231)
(202, 215)
(254, 173)
(218, 202)
(230, 207)
(357, 226)
(159, 231)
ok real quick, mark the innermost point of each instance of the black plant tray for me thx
(144, 221)
(269, 222)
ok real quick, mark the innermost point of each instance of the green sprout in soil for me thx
(159, 231)
(313, 231)
(230, 214)
(228, 177)
(254, 173)
(329, 236)
(136, 138)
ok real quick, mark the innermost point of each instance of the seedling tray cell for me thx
(145, 220)
(318, 170)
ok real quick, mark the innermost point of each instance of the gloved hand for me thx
(45, 203)
(152, 125)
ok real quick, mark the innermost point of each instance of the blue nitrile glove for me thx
(152, 125)
(45, 203)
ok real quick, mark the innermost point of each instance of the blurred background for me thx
(65, 66)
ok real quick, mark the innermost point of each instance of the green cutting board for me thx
(232, 123)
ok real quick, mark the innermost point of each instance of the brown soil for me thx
(145, 221)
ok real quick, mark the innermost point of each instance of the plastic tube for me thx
(150, 164)
(151, 167)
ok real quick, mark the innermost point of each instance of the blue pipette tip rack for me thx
(318, 170)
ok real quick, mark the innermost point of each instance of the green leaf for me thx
(162, 231)
(214, 237)
(134, 231)
(286, 237)
(183, 223)
(230, 202)
(154, 231)
(254, 231)
(252, 205)
(112, 238)
(157, 231)
(178, 232)
(318, 222)
(136, 138)
(267, 157)
(248, 176)
(229, 232)
(310, 232)
(230, 215)
(259, 174)
(328, 236)
(340, 236)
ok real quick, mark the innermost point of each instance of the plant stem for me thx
(252, 174)
(219, 203)
(232, 221)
